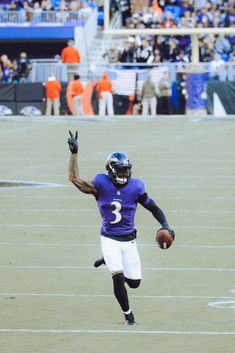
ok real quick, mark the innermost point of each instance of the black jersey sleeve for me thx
(151, 206)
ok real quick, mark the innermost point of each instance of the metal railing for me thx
(42, 69)
(44, 16)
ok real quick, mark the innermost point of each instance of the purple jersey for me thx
(117, 205)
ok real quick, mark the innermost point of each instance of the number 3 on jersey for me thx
(116, 212)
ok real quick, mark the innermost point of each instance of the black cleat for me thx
(129, 319)
(99, 262)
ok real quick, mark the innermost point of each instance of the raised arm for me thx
(83, 185)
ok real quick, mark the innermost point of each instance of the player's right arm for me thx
(84, 186)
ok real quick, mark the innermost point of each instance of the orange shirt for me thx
(168, 24)
(104, 85)
(77, 88)
(70, 55)
(157, 10)
(53, 89)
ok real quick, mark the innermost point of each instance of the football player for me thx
(117, 195)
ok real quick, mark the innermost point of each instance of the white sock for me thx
(127, 312)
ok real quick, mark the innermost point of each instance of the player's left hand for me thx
(171, 232)
(73, 142)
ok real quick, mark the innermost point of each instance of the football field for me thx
(53, 300)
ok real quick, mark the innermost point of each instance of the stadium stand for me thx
(184, 27)
(179, 14)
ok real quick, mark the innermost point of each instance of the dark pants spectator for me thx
(182, 104)
(164, 105)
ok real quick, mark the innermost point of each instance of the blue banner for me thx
(39, 31)
(196, 90)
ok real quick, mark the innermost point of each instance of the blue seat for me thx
(55, 4)
(175, 10)
(100, 18)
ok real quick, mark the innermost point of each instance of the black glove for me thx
(171, 232)
(73, 142)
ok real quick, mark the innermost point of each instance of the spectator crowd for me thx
(160, 49)
(183, 13)
(174, 14)
(16, 70)
(45, 10)
(139, 15)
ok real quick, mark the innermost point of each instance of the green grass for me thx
(49, 238)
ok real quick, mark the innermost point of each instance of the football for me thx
(163, 239)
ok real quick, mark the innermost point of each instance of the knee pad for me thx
(118, 278)
(133, 283)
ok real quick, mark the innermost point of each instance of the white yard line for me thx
(194, 269)
(16, 243)
(7, 243)
(44, 197)
(174, 176)
(193, 187)
(127, 331)
(204, 158)
(46, 210)
(205, 246)
(87, 197)
(159, 269)
(159, 187)
(225, 304)
(77, 226)
(74, 295)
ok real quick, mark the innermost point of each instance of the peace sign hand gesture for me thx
(73, 142)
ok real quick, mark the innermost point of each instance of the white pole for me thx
(106, 15)
(195, 49)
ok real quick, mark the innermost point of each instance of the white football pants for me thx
(121, 256)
